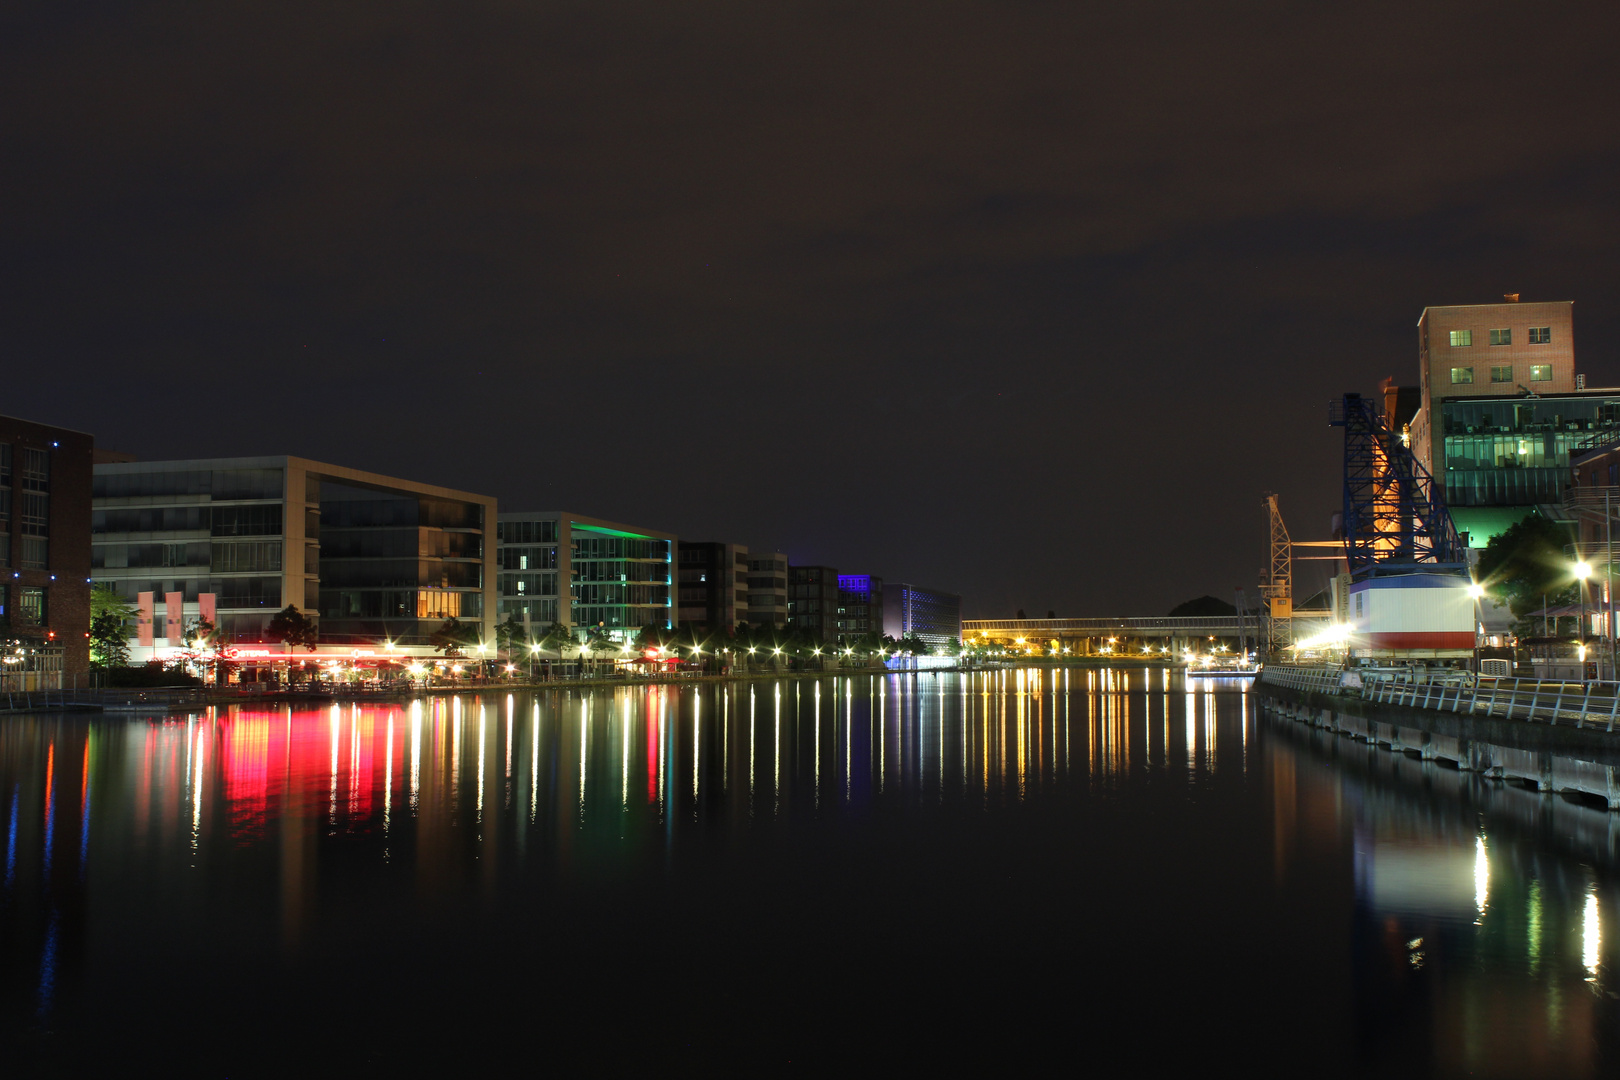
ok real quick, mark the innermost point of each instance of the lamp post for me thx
(1476, 592)
(1583, 571)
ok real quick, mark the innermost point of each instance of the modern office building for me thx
(713, 585)
(767, 589)
(1502, 410)
(813, 600)
(372, 559)
(45, 477)
(934, 616)
(860, 605)
(618, 575)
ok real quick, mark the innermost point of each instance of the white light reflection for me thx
(818, 745)
(416, 752)
(534, 768)
(1591, 937)
(337, 725)
(584, 740)
(1482, 878)
(196, 795)
(483, 741)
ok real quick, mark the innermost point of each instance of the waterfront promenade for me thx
(1555, 736)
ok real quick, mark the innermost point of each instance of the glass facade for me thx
(394, 564)
(374, 561)
(618, 579)
(1516, 451)
(935, 617)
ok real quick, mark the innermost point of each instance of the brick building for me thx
(45, 482)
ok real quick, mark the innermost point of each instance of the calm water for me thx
(1087, 868)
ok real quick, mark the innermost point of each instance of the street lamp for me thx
(1583, 571)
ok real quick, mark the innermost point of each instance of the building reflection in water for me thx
(1477, 909)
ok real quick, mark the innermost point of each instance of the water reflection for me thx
(1479, 910)
(1474, 911)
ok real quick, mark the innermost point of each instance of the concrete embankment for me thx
(1561, 758)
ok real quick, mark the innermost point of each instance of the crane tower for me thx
(1278, 588)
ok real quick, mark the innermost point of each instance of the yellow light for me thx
(1476, 590)
(1583, 570)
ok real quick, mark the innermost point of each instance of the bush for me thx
(147, 677)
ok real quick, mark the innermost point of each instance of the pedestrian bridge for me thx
(1087, 636)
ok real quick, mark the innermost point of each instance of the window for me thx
(1541, 373)
(1462, 375)
(31, 606)
(1502, 373)
(1461, 339)
(1541, 335)
(1503, 336)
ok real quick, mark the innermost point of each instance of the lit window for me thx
(1502, 373)
(1502, 337)
(1461, 339)
(1541, 335)
(1541, 373)
(1462, 375)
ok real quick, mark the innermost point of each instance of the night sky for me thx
(1028, 301)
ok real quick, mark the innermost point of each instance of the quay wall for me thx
(1561, 758)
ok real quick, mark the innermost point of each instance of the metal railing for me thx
(1309, 679)
(1578, 704)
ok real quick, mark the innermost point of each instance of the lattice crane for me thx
(1278, 588)
(1395, 517)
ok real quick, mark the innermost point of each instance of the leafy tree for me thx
(1526, 563)
(453, 636)
(915, 645)
(293, 628)
(206, 645)
(109, 633)
(557, 637)
(511, 636)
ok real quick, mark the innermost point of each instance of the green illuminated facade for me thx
(617, 578)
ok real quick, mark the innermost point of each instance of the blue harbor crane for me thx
(1395, 517)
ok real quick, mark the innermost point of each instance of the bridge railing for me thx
(1579, 704)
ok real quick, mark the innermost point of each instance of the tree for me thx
(1526, 563)
(293, 628)
(915, 645)
(206, 645)
(511, 635)
(557, 637)
(1203, 607)
(109, 634)
(453, 636)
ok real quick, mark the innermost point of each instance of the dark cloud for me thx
(1030, 300)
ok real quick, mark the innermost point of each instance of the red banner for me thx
(143, 619)
(206, 608)
(173, 620)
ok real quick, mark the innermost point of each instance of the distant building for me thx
(934, 616)
(813, 600)
(372, 559)
(45, 476)
(860, 605)
(767, 589)
(713, 585)
(618, 576)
